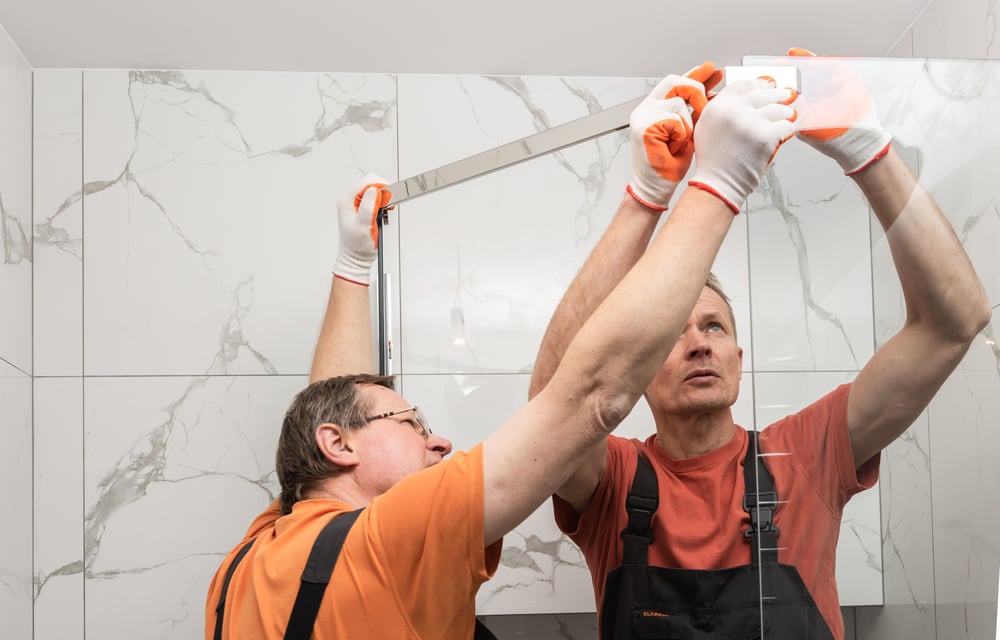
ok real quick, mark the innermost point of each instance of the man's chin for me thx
(697, 403)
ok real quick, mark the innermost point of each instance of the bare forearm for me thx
(345, 340)
(940, 286)
(618, 250)
(632, 332)
(607, 366)
(945, 309)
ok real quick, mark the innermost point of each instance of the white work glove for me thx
(737, 136)
(837, 113)
(357, 218)
(661, 128)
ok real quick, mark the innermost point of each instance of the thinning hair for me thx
(300, 464)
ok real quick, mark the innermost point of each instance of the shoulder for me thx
(829, 411)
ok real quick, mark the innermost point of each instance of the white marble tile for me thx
(809, 265)
(58, 509)
(59, 609)
(15, 207)
(175, 470)
(210, 226)
(956, 159)
(58, 222)
(489, 260)
(965, 482)
(859, 552)
(15, 475)
(907, 542)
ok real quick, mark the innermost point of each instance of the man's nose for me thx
(697, 344)
(439, 444)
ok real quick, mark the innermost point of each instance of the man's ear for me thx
(334, 442)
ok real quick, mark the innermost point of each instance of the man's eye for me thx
(715, 326)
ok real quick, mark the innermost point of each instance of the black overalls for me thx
(656, 603)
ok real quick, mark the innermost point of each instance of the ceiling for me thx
(513, 37)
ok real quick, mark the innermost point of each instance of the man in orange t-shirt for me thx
(682, 563)
(430, 529)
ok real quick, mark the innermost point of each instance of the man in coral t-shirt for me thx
(430, 528)
(699, 548)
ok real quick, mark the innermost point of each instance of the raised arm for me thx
(661, 156)
(345, 339)
(946, 306)
(616, 353)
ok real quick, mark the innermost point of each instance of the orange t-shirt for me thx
(409, 568)
(700, 520)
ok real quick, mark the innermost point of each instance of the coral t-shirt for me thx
(700, 520)
(409, 568)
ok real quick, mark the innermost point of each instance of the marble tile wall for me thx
(940, 549)
(185, 232)
(15, 338)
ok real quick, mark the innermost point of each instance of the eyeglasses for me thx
(419, 419)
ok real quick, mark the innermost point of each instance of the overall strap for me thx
(643, 498)
(316, 575)
(760, 501)
(221, 607)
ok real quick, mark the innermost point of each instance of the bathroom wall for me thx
(941, 555)
(15, 338)
(184, 233)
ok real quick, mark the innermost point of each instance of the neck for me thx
(687, 436)
(341, 488)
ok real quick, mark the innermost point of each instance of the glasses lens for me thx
(421, 420)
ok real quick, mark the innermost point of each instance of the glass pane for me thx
(477, 270)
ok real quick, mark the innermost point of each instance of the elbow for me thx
(975, 321)
(984, 318)
(957, 323)
(610, 409)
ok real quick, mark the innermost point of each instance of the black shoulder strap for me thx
(316, 575)
(220, 608)
(760, 501)
(641, 503)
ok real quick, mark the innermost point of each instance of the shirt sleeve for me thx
(820, 445)
(596, 530)
(430, 529)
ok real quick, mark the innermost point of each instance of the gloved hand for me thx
(737, 136)
(661, 129)
(838, 115)
(357, 216)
